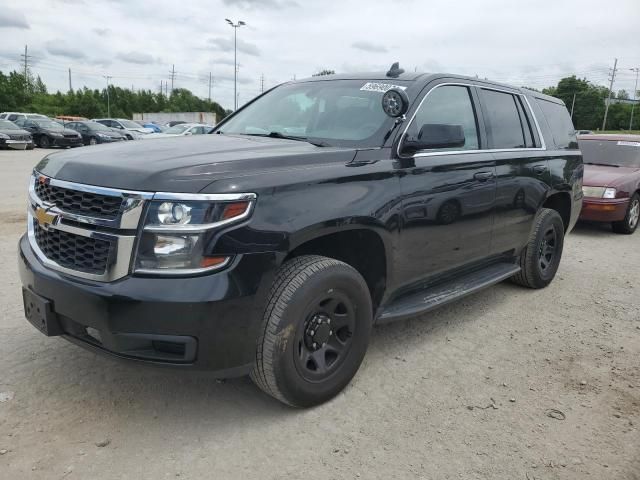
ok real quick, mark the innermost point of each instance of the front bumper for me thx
(604, 210)
(208, 322)
(66, 141)
(16, 144)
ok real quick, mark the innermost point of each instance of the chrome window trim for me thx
(542, 148)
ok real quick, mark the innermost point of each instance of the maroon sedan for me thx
(611, 180)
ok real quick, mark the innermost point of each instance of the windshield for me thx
(621, 153)
(177, 128)
(49, 124)
(97, 126)
(337, 112)
(129, 124)
(7, 125)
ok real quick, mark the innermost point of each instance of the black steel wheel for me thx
(315, 331)
(540, 259)
(631, 218)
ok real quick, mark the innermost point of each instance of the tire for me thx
(538, 270)
(44, 142)
(31, 146)
(307, 294)
(448, 212)
(631, 219)
(93, 141)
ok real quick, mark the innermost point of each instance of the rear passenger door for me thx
(523, 178)
(448, 194)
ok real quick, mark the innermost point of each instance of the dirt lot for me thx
(462, 393)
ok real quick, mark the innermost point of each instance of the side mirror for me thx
(395, 102)
(188, 133)
(436, 135)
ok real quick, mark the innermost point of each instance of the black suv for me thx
(322, 207)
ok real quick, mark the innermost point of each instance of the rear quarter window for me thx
(559, 121)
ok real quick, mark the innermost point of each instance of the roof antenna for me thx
(395, 71)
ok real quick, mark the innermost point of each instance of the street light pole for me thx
(235, 26)
(108, 77)
(635, 93)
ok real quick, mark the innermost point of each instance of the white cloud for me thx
(525, 43)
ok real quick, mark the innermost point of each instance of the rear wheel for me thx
(540, 259)
(316, 329)
(631, 219)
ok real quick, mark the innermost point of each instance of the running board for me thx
(443, 293)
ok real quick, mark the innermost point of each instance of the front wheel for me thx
(44, 142)
(540, 259)
(93, 141)
(315, 331)
(631, 219)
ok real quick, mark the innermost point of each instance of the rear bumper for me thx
(207, 323)
(604, 210)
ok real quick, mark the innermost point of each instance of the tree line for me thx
(30, 94)
(20, 94)
(590, 102)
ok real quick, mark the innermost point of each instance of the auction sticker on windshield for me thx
(379, 87)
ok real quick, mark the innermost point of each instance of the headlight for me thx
(599, 192)
(179, 231)
(4, 136)
(55, 134)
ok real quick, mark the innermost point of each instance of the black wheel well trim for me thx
(560, 201)
(371, 259)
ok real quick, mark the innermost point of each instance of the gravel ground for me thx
(461, 393)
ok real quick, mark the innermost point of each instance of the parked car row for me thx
(21, 131)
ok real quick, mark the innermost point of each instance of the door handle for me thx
(539, 169)
(483, 176)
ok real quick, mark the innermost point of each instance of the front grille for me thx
(70, 135)
(89, 255)
(19, 137)
(78, 202)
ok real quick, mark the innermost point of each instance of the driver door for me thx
(448, 192)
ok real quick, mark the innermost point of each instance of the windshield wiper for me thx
(312, 141)
(602, 164)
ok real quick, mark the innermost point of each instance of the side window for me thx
(525, 123)
(504, 126)
(447, 106)
(562, 129)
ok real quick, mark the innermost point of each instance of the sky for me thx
(137, 42)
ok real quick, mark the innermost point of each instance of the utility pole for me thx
(210, 84)
(70, 86)
(173, 76)
(107, 77)
(25, 57)
(235, 26)
(635, 95)
(161, 92)
(573, 104)
(262, 83)
(606, 108)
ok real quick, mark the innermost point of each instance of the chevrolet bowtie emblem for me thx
(45, 218)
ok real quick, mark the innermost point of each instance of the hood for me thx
(607, 176)
(141, 130)
(12, 132)
(184, 164)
